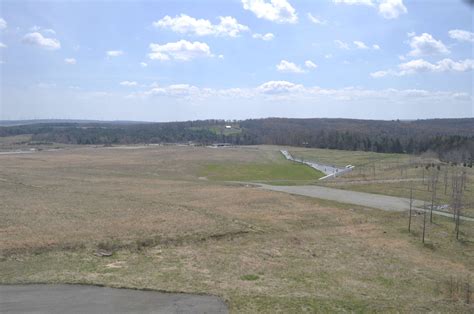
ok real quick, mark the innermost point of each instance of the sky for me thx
(236, 59)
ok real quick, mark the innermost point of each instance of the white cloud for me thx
(445, 65)
(143, 64)
(426, 45)
(341, 44)
(297, 91)
(328, 56)
(182, 50)
(176, 90)
(279, 11)
(2, 45)
(289, 67)
(279, 87)
(3, 24)
(316, 20)
(70, 61)
(389, 9)
(128, 83)
(379, 74)
(185, 24)
(310, 64)
(461, 35)
(423, 66)
(114, 53)
(392, 9)
(39, 29)
(36, 39)
(355, 2)
(376, 47)
(360, 45)
(266, 37)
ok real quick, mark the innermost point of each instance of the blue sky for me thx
(183, 60)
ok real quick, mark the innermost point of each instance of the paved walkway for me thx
(383, 202)
(92, 299)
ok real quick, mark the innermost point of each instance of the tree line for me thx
(451, 139)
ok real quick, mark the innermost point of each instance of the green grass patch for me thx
(341, 158)
(250, 277)
(286, 172)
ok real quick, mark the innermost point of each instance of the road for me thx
(329, 171)
(92, 299)
(383, 202)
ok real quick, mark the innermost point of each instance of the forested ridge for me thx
(450, 138)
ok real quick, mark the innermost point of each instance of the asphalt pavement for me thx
(92, 299)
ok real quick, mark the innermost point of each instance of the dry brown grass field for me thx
(394, 174)
(175, 223)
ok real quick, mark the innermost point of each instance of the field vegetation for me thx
(168, 228)
(396, 175)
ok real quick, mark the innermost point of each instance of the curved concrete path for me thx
(383, 202)
(92, 299)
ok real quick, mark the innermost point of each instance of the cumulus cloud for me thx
(70, 61)
(389, 9)
(3, 24)
(279, 11)
(128, 83)
(426, 45)
(296, 92)
(265, 37)
(423, 66)
(182, 50)
(288, 67)
(114, 53)
(357, 44)
(461, 35)
(379, 74)
(341, 44)
(316, 20)
(354, 2)
(143, 64)
(392, 9)
(37, 39)
(185, 24)
(360, 45)
(279, 87)
(445, 65)
(310, 64)
(39, 29)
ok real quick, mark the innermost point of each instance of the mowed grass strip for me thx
(342, 158)
(287, 172)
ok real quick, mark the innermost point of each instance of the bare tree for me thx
(433, 183)
(456, 199)
(446, 180)
(411, 206)
(424, 224)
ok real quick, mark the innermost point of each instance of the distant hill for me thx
(451, 138)
(53, 121)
